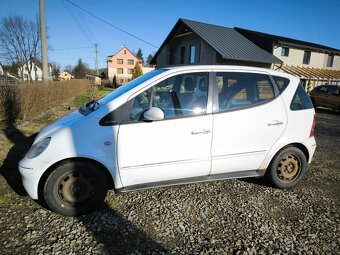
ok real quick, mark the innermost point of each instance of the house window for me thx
(284, 51)
(192, 54)
(130, 62)
(130, 71)
(182, 61)
(120, 61)
(306, 57)
(125, 52)
(330, 60)
(119, 70)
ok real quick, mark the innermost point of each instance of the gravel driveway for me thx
(225, 217)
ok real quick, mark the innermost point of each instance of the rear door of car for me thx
(249, 117)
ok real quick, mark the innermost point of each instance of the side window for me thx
(178, 96)
(332, 90)
(281, 82)
(323, 89)
(301, 100)
(239, 90)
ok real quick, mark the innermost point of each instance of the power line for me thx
(73, 12)
(110, 24)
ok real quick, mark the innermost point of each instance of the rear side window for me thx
(240, 90)
(281, 82)
(301, 100)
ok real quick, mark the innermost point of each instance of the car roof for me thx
(228, 68)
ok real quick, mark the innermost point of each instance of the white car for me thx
(172, 126)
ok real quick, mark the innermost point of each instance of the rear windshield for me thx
(301, 100)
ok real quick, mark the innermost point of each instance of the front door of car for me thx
(179, 146)
(247, 123)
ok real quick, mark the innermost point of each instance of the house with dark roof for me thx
(192, 42)
(313, 63)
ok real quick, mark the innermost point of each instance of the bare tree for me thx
(19, 41)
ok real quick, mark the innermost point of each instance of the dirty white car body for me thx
(148, 133)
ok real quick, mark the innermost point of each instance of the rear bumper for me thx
(310, 144)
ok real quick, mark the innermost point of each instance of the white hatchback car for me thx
(173, 126)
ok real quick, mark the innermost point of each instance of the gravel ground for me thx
(226, 217)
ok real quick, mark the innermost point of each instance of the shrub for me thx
(26, 101)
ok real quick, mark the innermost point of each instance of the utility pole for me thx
(96, 64)
(43, 40)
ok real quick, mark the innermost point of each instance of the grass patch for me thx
(88, 96)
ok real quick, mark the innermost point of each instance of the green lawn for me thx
(87, 96)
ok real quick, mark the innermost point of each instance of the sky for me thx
(73, 32)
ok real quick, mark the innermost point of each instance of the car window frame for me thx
(216, 109)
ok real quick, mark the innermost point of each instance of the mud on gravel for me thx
(226, 217)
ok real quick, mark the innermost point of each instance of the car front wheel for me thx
(75, 188)
(287, 168)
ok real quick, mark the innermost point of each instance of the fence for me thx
(26, 101)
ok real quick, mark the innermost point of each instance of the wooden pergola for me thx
(315, 75)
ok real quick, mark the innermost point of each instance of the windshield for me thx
(95, 104)
(128, 86)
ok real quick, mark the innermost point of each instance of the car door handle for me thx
(200, 132)
(275, 123)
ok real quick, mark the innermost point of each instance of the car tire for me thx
(287, 168)
(75, 188)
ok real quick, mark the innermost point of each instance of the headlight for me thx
(38, 148)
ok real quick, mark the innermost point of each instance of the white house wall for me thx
(317, 60)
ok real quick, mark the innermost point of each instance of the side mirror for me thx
(152, 114)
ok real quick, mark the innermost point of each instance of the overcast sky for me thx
(73, 32)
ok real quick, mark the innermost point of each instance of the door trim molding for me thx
(207, 178)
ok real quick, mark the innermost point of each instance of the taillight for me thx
(313, 126)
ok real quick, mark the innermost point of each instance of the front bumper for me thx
(31, 171)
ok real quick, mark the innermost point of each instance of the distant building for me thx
(36, 71)
(313, 63)
(122, 64)
(65, 76)
(192, 42)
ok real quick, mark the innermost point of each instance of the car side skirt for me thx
(208, 178)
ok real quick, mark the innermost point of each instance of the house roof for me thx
(38, 63)
(123, 47)
(285, 41)
(226, 41)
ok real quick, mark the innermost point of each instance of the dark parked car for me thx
(326, 96)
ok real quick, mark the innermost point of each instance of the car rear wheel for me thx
(75, 188)
(287, 168)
